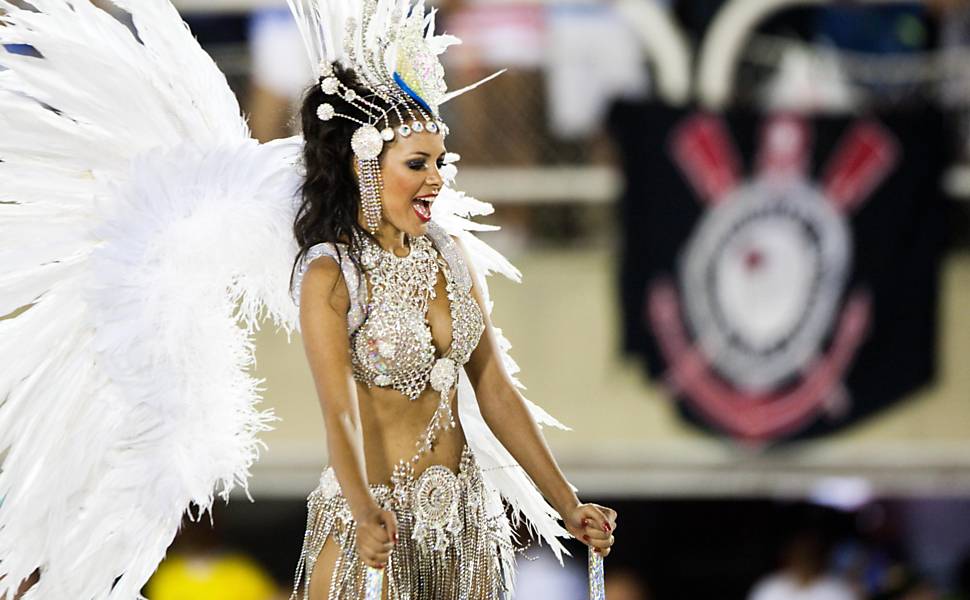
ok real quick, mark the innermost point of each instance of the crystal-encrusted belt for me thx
(435, 498)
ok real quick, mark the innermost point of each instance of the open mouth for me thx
(422, 208)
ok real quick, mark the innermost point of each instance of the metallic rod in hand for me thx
(373, 584)
(597, 586)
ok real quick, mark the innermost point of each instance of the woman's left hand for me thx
(592, 524)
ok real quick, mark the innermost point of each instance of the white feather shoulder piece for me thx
(144, 236)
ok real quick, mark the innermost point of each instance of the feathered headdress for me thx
(390, 44)
(392, 48)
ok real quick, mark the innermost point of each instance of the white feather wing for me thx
(143, 234)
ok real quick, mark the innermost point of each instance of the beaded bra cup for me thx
(391, 342)
(393, 346)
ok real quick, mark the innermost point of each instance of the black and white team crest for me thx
(758, 324)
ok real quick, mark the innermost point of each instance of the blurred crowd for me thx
(877, 551)
(569, 61)
(796, 552)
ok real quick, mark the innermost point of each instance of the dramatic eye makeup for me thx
(416, 164)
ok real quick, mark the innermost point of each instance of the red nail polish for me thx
(606, 527)
(586, 538)
(585, 522)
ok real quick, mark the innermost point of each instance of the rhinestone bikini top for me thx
(390, 338)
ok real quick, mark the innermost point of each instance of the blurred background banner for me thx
(780, 272)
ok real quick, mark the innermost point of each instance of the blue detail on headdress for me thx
(407, 89)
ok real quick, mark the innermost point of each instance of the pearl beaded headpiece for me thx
(368, 140)
(392, 48)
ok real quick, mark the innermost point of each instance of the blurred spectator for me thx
(804, 573)
(216, 577)
(961, 590)
(280, 73)
(198, 568)
(542, 577)
(908, 586)
(882, 29)
(954, 19)
(879, 559)
(506, 35)
(937, 534)
(593, 58)
(625, 584)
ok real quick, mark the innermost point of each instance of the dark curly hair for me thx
(330, 193)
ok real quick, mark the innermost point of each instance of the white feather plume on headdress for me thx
(387, 42)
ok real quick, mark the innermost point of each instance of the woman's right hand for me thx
(376, 536)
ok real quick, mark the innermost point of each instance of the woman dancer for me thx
(405, 292)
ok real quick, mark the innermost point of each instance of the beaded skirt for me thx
(454, 539)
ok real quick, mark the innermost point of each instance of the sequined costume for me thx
(455, 537)
(474, 565)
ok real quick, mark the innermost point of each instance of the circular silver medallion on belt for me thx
(435, 500)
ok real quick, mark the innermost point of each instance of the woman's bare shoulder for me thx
(324, 283)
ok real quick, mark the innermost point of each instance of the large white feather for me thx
(146, 234)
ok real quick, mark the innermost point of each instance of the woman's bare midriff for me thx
(392, 424)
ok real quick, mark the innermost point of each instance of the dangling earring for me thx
(371, 192)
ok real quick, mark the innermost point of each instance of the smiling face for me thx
(409, 168)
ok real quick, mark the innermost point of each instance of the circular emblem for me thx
(436, 499)
(763, 275)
